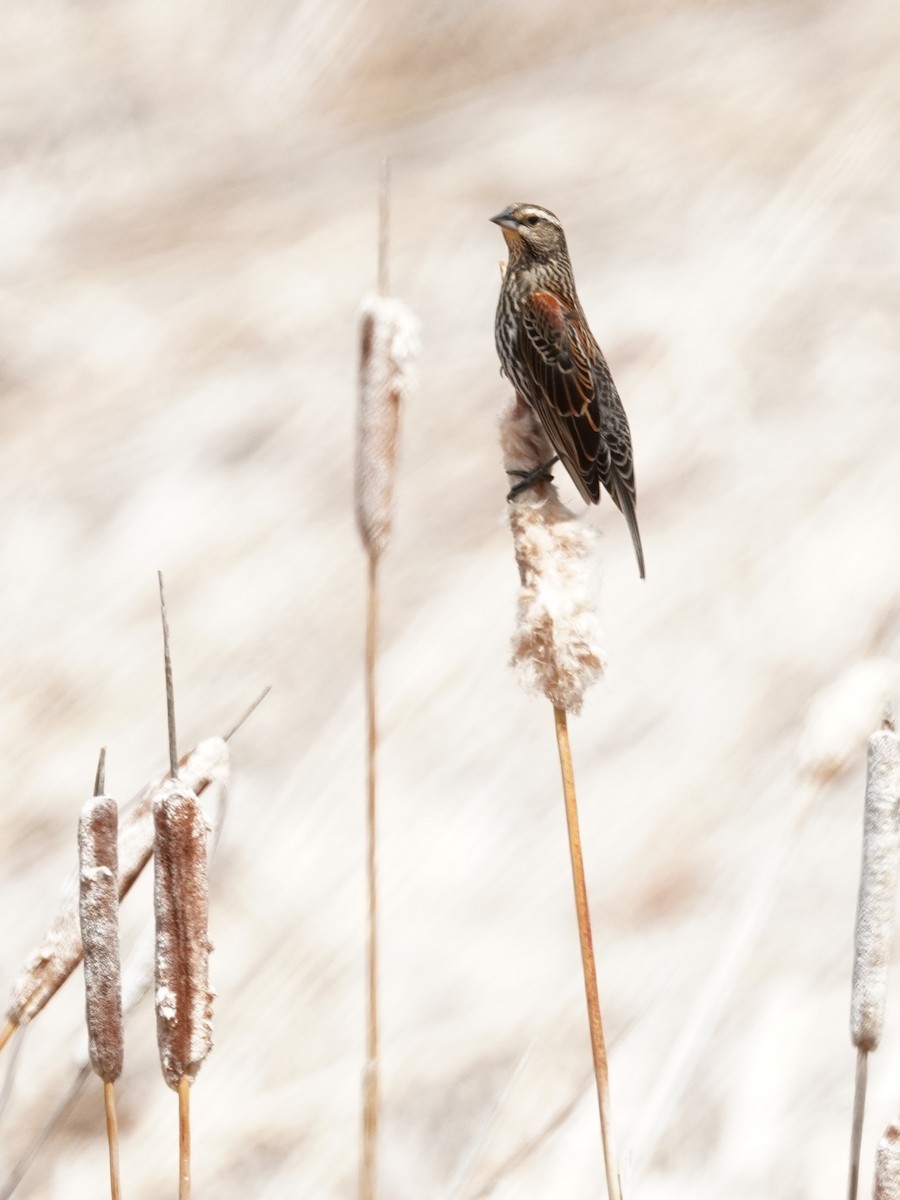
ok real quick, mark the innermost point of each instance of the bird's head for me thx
(532, 233)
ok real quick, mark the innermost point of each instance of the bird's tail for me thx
(626, 504)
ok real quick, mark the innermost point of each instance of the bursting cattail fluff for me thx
(389, 336)
(556, 646)
(877, 887)
(99, 913)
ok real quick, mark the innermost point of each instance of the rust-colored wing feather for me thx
(575, 397)
(563, 392)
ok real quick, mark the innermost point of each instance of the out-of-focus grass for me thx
(187, 224)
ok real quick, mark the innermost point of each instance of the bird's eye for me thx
(532, 220)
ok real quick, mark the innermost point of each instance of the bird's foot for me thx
(530, 478)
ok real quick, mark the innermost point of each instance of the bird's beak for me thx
(506, 220)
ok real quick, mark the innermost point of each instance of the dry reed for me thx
(556, 651)
(137, 978)
(181, 905)
(47, 969)
(99, 917)
(388, 343)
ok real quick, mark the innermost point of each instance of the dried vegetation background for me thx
(187, 224)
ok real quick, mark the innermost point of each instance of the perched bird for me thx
(552, 360)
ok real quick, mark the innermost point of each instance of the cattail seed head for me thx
(556, 647)
(877, 886)
(47, 968)
(389, 337)
(887, 1164)
(98, 852)
(181, 903)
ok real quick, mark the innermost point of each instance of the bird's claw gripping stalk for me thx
(530, 478)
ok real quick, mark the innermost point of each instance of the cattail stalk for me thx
(556, 652)
(137, 978)
(592, 994)
(874, 933)
(388, 341)
(181, 903)
(60, 952)
(99, 915)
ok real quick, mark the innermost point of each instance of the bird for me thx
(552, 359)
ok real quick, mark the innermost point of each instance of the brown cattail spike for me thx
(98, 852)
(181, 902)
(60, 952)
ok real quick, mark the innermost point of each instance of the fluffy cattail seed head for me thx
(389, 336)
(877, 887)
(556, 646)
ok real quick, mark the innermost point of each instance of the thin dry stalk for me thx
(170, 686)
(556, 652)
(368, 1167)
(59, 954)
(595, 1020)
(248, 713)
(874, 932)
(856, 1122)
(388, 342)
(184, 1138)
(112, 1138)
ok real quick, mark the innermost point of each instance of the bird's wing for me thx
(559, 360)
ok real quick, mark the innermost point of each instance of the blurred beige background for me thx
(187, 226)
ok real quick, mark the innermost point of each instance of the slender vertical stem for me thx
(598, 1045)
(184, 1138)
(859, 1112)
(249, 713)
(384, 212)
(368, 1173)
(170, 686)
(112, 1137)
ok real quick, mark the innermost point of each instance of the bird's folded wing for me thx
(556, 349)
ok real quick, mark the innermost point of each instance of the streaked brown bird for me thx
(553, 361)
